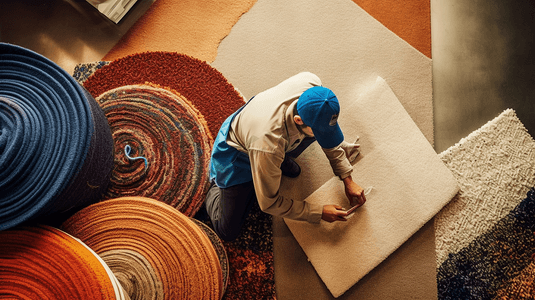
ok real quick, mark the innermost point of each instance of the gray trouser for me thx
(228, 207)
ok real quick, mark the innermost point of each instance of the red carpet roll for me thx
(46, 263)
(155, 251)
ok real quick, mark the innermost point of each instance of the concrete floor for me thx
(482, 53)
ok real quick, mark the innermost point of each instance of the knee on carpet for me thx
(227, 235)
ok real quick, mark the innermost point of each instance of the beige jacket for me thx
(265, 129)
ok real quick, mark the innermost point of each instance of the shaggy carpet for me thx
(250, 257)
(484, 237)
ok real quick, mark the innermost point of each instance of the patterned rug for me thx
(250, 257)
(484, 237)
(46, 263)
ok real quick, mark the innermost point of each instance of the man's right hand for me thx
(332, 213)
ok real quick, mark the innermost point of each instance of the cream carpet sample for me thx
(409, 182)
(495, 168)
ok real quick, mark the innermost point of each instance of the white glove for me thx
(351, 150)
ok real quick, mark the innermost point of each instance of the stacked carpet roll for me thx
(46, 263)
(56, 149)
(155, 251)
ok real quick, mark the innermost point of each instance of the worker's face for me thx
(304, 128)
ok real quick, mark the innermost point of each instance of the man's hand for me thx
(354, 192)
(333, 213)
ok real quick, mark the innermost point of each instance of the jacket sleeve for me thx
(339, 162)
(265, 168)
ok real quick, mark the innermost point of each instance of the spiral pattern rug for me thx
(46, 263)
(172, 137)
(155, 251)
(55, 143)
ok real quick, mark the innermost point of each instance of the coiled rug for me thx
(46, 263)
(155, 251)
(171, 123)
(165, 129)
(55, 142)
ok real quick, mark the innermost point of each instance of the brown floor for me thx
(482, 64)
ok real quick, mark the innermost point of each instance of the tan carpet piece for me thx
(335, 39)
(410, 185)
(193, 27)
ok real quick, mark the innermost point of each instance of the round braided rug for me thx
(155, 251)
(55, 143)
(205, 87)
(46, 263)
(165, 129)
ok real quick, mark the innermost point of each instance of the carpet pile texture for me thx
(250, 257)
(484, 237)
(165, 129)
(195, 27)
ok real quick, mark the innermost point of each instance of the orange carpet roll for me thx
(155, 251)
(46, 263)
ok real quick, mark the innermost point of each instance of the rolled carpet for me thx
(170, 139)
(155, 251)
(46, 263)
(56, 149)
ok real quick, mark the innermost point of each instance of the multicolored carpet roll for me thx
(170, 139)
(155, 251)
(55, 143)
(46, 263)
(205, 87)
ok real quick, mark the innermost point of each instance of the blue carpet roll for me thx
(56, 149)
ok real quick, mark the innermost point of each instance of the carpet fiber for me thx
(410, 184)
(250, 257)
(484, 236)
